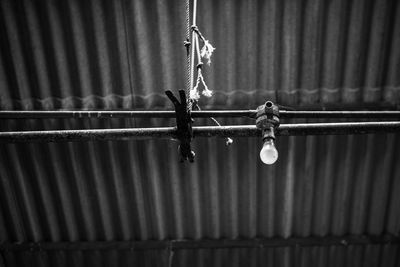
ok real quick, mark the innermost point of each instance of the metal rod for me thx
(84, 114)
(199, 131)
(300, 129)
(119, 114)
(87, 135)
(195, 114)
(338, 128)
(340, 114)
(202, 244)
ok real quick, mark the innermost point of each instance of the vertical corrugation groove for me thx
(122, 187)
(10, 205)
(353, 51)
(14, 46)
(62, 187)
(311, 46)
(248, 39)
(243, 186)
(333, 55)
(140, 20)
(121, 51)
(252, 179)
(175, 183)
(269, 62)
(98, 19)
(166, 44)
(156, 193)
(323, 187)
(212, 189)
(392, 79)
(100, 190)
(38, 57)
(193, 196)
(392, 215)
(41, 185)
(290, 54)
(140, 198)
(380, 184)
(361, 190)
(24, 195)
(306, 183)
(373, 256)
(79, 51)
(343, 185)
(376, 56)
(233, 163)
(64, 78)
(80, 188)
(288, 189)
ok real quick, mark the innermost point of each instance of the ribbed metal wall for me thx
(351, 256)
(328, 185)
(124, 54)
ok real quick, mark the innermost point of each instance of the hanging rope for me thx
(188, 58)
(189, 99)
(205, 52)
(194, 93)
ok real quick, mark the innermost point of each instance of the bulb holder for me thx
(268, 133)
(267, 117)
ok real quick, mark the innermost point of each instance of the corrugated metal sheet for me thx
(124, 54)
(329, 185)
(352, 256)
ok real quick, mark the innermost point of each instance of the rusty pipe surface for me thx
(101, 114)
(87, 135)
(199, 131)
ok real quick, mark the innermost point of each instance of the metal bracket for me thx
(184, 122)
(267, 119)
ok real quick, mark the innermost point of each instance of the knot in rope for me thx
(187, 43)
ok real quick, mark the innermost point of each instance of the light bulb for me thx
(268, 153)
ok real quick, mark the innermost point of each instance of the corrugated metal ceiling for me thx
(124, 54)
(352, 256)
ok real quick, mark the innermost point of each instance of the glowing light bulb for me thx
(268, 153)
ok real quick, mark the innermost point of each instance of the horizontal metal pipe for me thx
(199, 131)
(87, 135)
(301, 129)
(202, 244)
(340, 114)
(64, 114)
(100, 114)
(339, 128)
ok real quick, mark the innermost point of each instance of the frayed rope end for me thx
(206, 51)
